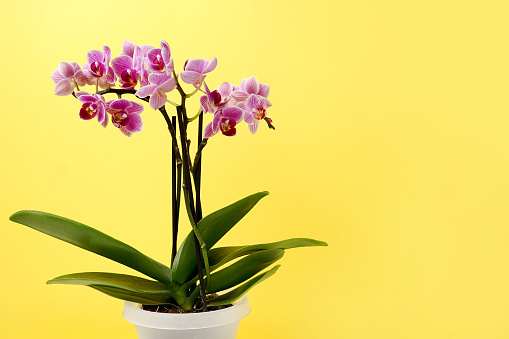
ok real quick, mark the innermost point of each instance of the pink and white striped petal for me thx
(165, 52)
(168, 86)
(209, 131)
(225, 89)
(95, 56)
(64, 87)
(254, 126)
(119, 104)
(189, 77)
(252, 101)
(135, 124)
(211, 66)
(128, 48)
(145, 91)
(239, 95)
(264, 90)
(196, 65)
(157, 100)
(252, 86)
(234, 113)
(135, 108)
(66, 69)
(121, 63)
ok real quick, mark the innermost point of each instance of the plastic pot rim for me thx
(186, 321)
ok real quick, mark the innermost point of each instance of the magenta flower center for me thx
(97, 69)
(129, 77)
(158, 63)
(259, 112)
(119, 119)
(227, 127)
(88, 111)
(215, 97)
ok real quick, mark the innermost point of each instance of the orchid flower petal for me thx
(254, 126)
(189, 77)
(165, 52)
(135, 124)
(80, 93)
(128, 48)
(252, 86)
(239, 95)
(209, 131)
(264, 90)
(145, 91)
(95, 56)
(158, 79)
(252, 101)
(56, 76)
(66, 69)
(225, 89)
(135, 108)
(121, 63)
(234, 113)
(120, 104)
(64, 87)
(168, 86)
(157, 100)
(211, 66)
(196, 65)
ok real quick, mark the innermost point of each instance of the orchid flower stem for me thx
(171, 102)
(200, 246)
(197, 160)
(194, 92)
(194, 117)
(176, 174)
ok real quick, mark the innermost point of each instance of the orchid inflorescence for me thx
(200, 274)
(152, 71)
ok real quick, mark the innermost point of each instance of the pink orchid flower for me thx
(217, 99)
(195, 70)
(97, 68)
(225, 120)
(251, 86)
(255, 109)
(129, 69)
(158, 59)
(125, 115)
(161, 84)
(67, 77)
(93, 106)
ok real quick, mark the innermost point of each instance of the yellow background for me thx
(392, 144)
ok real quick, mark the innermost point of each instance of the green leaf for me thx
(235, 294)
(221, 255)
(243, 269)
(145, 299)
(94, 241)
(212, 228)
(122, 281)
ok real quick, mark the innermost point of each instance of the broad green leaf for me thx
(121, 281)
(243, 269)
(212, 228)
(94, 241)
(141, 298)
(222, 255)
(235, 294)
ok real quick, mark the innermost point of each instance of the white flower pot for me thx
(220, 324)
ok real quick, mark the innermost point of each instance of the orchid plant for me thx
(198, 277)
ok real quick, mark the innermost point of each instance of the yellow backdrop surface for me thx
(391, 144)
